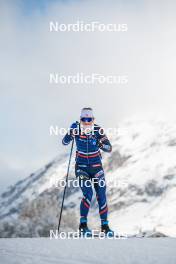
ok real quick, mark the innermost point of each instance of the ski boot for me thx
(84, 230)
(106, 230)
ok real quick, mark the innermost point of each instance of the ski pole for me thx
(68, 168)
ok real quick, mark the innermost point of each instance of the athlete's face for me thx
(87, 121)
(87, 124)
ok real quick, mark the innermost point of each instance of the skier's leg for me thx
(100, 188)
(86, 187)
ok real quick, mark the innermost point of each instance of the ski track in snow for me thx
(69, 251)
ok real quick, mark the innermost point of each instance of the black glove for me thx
(100, 144)
(74, 130)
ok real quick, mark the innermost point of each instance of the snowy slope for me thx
(141, 179)
(148, 199)
(44, 250)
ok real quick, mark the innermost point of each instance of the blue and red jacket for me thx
(88, 146)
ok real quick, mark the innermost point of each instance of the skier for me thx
(90, 138)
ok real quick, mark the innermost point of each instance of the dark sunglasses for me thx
(87, 119)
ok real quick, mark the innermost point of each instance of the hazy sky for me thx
(29, 105)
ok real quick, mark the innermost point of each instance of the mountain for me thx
(141, 187)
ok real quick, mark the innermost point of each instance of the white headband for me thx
(86, 113)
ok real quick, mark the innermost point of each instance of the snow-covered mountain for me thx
(141, 187)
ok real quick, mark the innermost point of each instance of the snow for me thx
(69, 251)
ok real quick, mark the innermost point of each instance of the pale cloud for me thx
(29, 52)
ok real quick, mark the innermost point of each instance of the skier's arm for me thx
(70, 135)
(103, 142)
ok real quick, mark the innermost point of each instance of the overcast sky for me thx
(29, 105)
